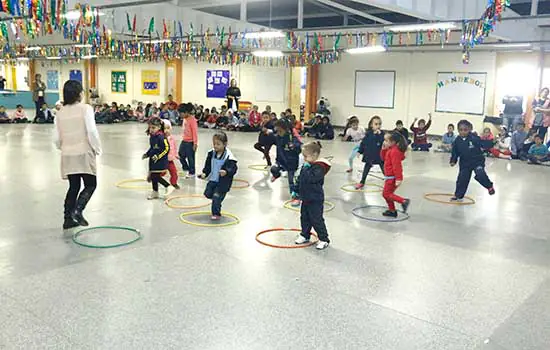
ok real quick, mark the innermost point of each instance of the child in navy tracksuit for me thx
(220, 167)
(310, 189)
(393, 154)
(468, 147)
(288, 156)
(266, 138)
(158, 157)
(370, 148)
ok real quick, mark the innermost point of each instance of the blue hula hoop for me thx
(404, 216)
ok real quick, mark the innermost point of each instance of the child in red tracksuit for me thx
(393, 153)
(172, 154)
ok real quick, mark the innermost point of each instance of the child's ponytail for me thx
(400, 141)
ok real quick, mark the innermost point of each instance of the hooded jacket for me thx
(393, 158)
(370, 147)
(311, 181)
(230, 166)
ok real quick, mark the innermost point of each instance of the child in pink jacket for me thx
(172, 154)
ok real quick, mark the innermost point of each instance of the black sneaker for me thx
(70, 223)
(176, 186)
(456, 199)
(389, 213)
(492, 191)
(405, 205)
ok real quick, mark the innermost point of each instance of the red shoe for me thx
(492, 191)
(359, 186)
(273, 178)
(215, 218)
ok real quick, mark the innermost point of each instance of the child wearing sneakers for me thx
(468, 148)
(393, 154)
(420, 134)
(266, 138)
(220, 167)
(158, 157)
(172, 154)
(354, 133)
(370, 148)
(288, 156)
(310, 189)
(190, 138)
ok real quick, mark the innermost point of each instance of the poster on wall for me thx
(217, 83)
(75, 74)
(460, 93)
(52, 80)
(118, 82)
(150, 82)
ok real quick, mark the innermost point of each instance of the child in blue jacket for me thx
(468, 148)
(158, 157)
(288, 156)
(220, 167)
(370, 148)
(310, 189)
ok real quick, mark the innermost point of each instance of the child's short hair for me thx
(282, 124)
(537, 136)
(155, 122)
(265, 113)
(451, 125)
(522, 124)
(220, 136)
(19, 106)
(313, 147)
(465, 123)
(399, 122)
(186, 108)
(326, 118)
(423, 121)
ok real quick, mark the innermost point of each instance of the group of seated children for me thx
(105, 114)
(45, 115)
(319, 127)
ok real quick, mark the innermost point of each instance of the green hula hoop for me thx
(80, 232)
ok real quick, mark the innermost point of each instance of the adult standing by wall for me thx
(38, 93)
(513, 111)
(541, 113)
(233, 95)
(2, 83)
(78, 139)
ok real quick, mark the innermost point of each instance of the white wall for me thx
(194, 84)
(415, 88)
(63, 69)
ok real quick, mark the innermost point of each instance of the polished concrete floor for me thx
(451, 277)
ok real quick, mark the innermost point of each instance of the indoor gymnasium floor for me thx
(451, 277)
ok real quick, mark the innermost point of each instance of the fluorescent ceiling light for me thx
(510, 45)
(33, 48)
(366, 49)
(156, 41)
(422, 27)
(75, 14)
(268, 53)
(89, 57)
(22, 58)
(264, 35)
(83, 45)
(53, 58)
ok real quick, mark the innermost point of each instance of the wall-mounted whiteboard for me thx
(374, 89)
(270, 85)
(460, 92)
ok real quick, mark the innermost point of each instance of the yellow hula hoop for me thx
(364, 190)
(259, 167)
(125, 184)
(429, 196)
(185, 221)
(326, 209)
(173, 206)
(246, 184)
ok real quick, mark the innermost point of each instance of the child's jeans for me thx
(173, 173)
(187, 157)
(352, 156)
(311, 216)
(464, 176)
(390, 196)
(217, 197)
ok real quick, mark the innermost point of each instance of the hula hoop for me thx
(80, 232)
(235, 218)
(126, 184)
(259, 167)
(167, 202)
(331, 206)
(364, 190)
(246, 184)
(429, 196)
(296, 246)
(397, 219)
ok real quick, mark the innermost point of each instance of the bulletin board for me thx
(75, 74)
(460, 92)
(374, 89)
(217, 83)
(150, 82)
(52, 80)
(118, 82)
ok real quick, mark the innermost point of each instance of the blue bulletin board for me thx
(217, 83)
(75, 74)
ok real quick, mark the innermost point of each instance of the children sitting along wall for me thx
(447, 140)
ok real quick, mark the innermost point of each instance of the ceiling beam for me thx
(197, 4)
(534, 7)
(291, 17)
(300, 14)
(354, 11)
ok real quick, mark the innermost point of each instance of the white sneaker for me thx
(189, 176)
(321, 245)
(457, 200)
(168, 191)
(301, 240)
(153, 195)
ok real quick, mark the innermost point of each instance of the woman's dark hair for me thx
(156, 122)
(221, 136)
(372, 121)
(402, 144)
(466, 123)
(72, 91)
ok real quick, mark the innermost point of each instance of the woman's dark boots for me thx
(69, 221)
(81, 203)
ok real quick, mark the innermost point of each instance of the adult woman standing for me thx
(541, 113)
(38, 93)
(78, 139)
(233, 94)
